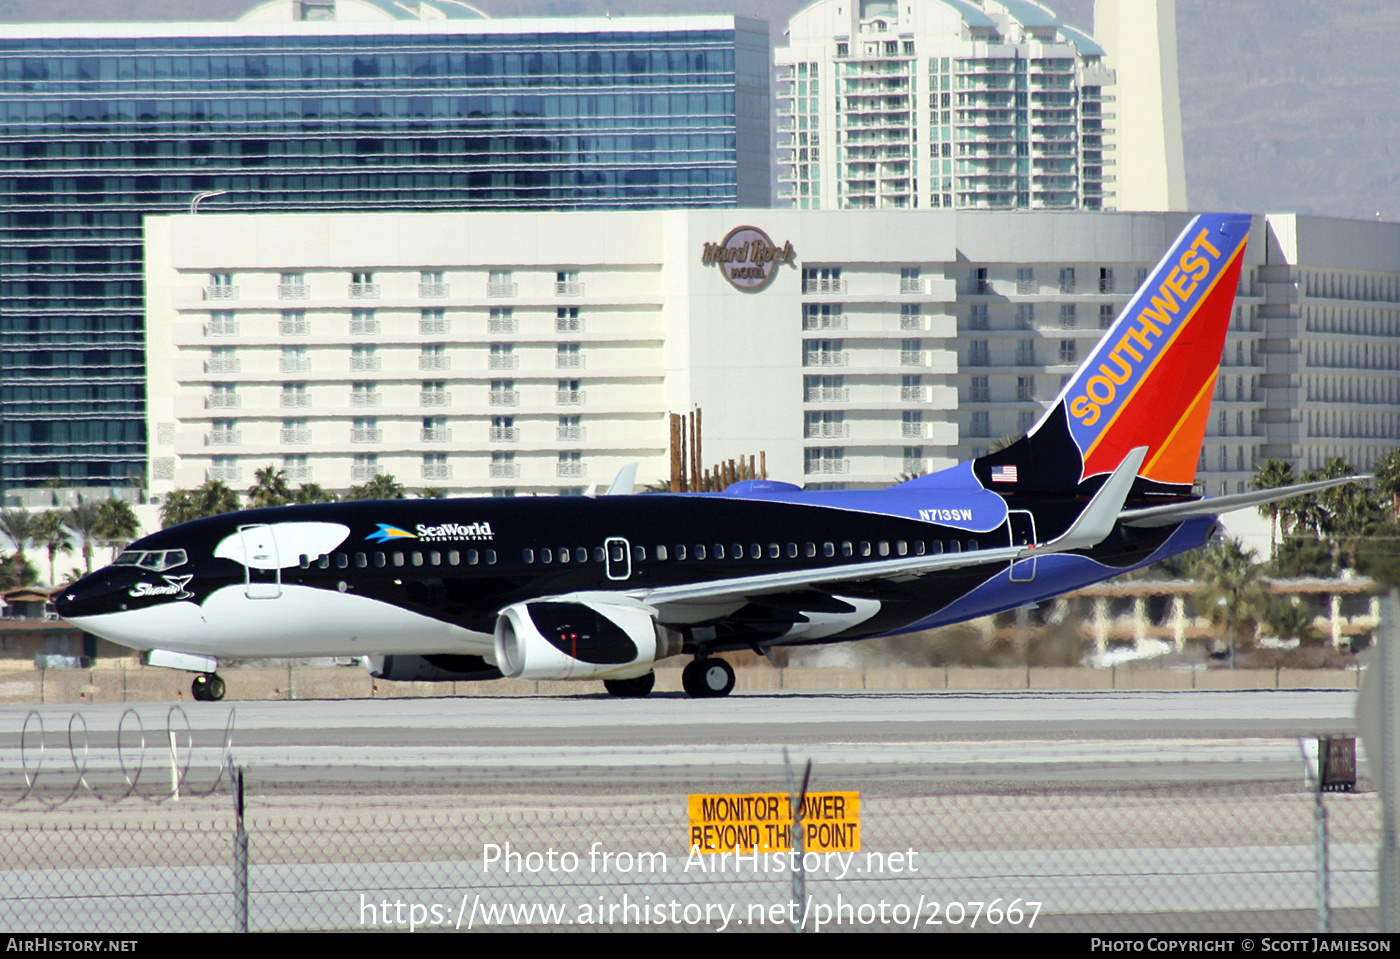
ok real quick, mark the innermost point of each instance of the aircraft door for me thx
(261, 568)
(1022, 534)
(619, 557)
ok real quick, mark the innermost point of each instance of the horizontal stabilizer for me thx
(1177, 512)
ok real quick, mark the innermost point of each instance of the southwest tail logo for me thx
(1148, 381)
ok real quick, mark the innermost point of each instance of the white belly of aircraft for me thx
(302, 621)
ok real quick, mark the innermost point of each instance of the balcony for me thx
(824, 286)
(505, 398)
(835, 321)
(432, 326)
(223, 326)
(825, 358)
(222, 401)
(298, 400)
(366, 435)
(503, 434)
(915, 467)
(300, 473)
(296, 437)
(293, 326)
(571, 434)
(568, 361)
(503, 361)
(568, 288)
(826, 394)
(435, 435)
(437, 471)
(568, 324)
(224, 438)
(570, 469)
(364, 472)
(569, 397)
(913, 358)
(366, 399)
(913, 394)
(222, 364)
(913, 430)
(364, 291)
(226, 474)
(294, 364)
(221, 292)
(433, 291)
(827, 431)
(504, 470)
(293, 291)
(496, 288)
(434, 362)
(827, 466)
(364, 326)
(364, 364)
(501, 324)
(911, 321)
(911, 284)
(434, 398)
(1025, 287)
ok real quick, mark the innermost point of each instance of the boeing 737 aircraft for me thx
(604, 587)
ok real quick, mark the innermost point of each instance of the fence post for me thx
(240, 858)
(799, 869)
(1324, 915)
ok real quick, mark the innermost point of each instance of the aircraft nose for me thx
(96, 593)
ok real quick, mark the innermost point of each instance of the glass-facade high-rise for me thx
(103, 124)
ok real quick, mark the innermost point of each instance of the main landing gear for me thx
(207, 688)
(708, 678)
(635, 687)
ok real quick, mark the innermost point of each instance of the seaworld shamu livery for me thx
(584, 587)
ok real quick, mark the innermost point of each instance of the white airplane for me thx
(603, 587)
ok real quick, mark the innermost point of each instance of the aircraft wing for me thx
(1177, 512)
(1094, 523)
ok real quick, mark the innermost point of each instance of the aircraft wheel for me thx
(635, 687)
(208, 688)
(708, 678)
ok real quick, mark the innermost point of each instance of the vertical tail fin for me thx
(1148, 381)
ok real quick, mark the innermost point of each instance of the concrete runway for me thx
(1140, 736)
(1111, 811)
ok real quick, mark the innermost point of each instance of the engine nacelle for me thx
(580, 640)
(440, 668)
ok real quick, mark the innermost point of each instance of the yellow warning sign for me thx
(762, 822)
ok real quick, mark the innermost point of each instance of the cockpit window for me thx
(157, 561)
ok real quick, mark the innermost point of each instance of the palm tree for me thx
(53, 536)
(437, 492)
(85, 520)
(1387, 472)
(181, 506)
(1232, 590)
(383, 486)
(117, 524)
(22, 528)
(312, 493)
(1272, 475)
(269, 488)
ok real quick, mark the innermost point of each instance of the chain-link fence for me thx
(1156, 846)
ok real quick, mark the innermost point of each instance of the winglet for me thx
(1098, 518)
(626, 481)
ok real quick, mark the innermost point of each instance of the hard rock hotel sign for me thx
(748, 258)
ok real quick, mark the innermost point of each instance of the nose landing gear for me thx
(207, 688)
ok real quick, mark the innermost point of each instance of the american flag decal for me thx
(1003, 474)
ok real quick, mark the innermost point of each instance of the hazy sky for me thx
(1287, 105)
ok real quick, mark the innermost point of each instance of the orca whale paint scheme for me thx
(603, 587)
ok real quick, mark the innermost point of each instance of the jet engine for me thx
(580, 640)
(441, 668)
